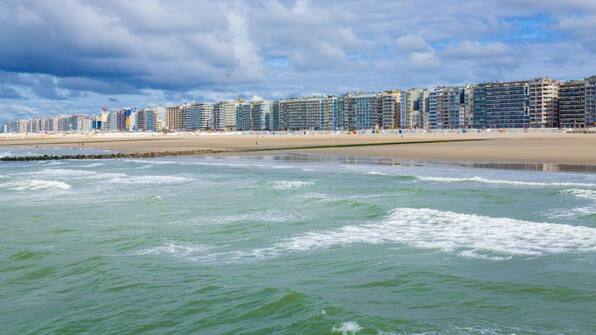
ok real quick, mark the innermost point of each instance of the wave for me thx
(112, 178)
(71, 174)
(260, 216)
(35, 185)
(175, 249)
(149, 180)
(377, 173)
(220, 163)
(348, 327)
(290, 184)
(6, 154)
(477, 179)
(581, 193)
(92, 165)
(587, 210)
(466, 235)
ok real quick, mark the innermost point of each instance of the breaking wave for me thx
(581, 193)
(149, 180)
(347, 328)
(175, 249)
(580, 211)
(290, 184)
(463, 234)
(71, 173)
(35, 185)
(477, 179)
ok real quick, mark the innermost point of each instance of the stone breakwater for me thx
(151, 154)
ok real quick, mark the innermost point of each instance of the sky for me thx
(71, 56)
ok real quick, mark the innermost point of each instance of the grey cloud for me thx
(76, 54)
(8, 92)
(411, 43)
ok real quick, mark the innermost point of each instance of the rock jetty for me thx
(150, 154)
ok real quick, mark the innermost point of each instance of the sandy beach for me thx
(469, 147)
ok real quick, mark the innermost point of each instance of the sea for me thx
(293, 244)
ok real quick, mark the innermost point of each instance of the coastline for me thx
(468, 148)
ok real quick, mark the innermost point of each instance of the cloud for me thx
(99, 41)
(74, 55)
(8, 92)
(411, 43)
(470, 49)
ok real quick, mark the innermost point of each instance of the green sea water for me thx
(287, 245)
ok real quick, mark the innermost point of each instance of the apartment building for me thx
(224, 115)
(301, 113)
(174, 118)
(243, 116)
(572, 104)
(505, 104)
(543, 102)
(591, 101)
(390, 109)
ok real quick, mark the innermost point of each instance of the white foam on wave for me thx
(5, 154)
(290, 184)
(270, 215)
(149, 180)
(221, 163)
(47, 163)
(71, 174)
(583, 210)
(152, 161)
(477, 179)
(376, 173)
(463, 234)
(92, 165)
(581, 193)
(175, 249)
(34, 185)
(347, 328)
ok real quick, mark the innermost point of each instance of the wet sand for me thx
(470, 147)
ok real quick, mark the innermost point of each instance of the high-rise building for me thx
(224, 115)
(332, 115)
(572, 104)
(196, 116)
(112, 122)
(466, 106)
(390, 109)
(407, 102)
(448, 107)
(243, 116)
(273, 119)
(421, 106)
(147, 119)
(304, 113)
(479, 107)
(591, 102)
(174, 118)
(432, 110)
(160, 119)
(543, 100)
(506, 104)
(361, 110)
(259, 114)
(414, 109)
